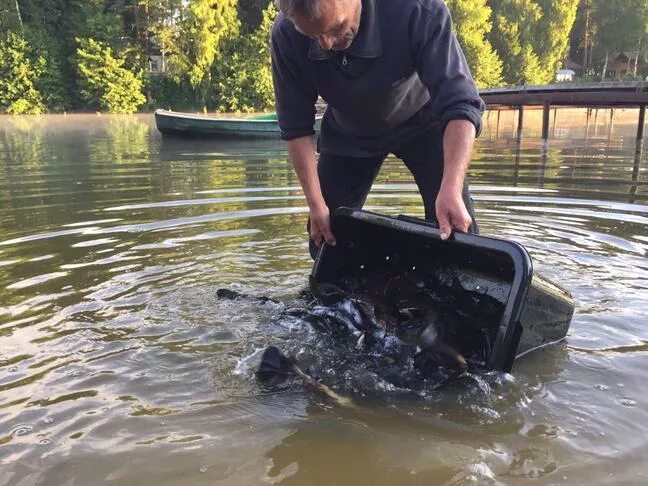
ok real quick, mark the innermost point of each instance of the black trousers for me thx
(346, 181)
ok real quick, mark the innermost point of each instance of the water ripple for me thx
(115, 350)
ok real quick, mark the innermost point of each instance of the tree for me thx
(513, 29)
(156, 24)
(47, 29)
(51, 83)
(204, 26)
(472, 24)
(620, 25)
(20, 70)
(10, 16)
(100, 20)
(104, 81)
(251, 14)
(582, 36)
(243, 71)
(531, 37)
(552, 41)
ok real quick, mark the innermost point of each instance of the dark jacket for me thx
(403, 73)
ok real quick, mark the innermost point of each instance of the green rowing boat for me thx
(190, 125)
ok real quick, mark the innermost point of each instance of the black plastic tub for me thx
(533, 311)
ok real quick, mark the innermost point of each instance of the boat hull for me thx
(187, 125)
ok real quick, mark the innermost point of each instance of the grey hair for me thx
(308, 8)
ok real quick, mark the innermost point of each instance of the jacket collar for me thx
(367, 42)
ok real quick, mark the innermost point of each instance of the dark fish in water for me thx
(233, 295)
(412, 333)
(275, 368)
(380, 325)
(431, 342)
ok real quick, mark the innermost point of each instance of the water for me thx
(119, 365)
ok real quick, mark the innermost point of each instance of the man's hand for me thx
(450, 209)
(302, 156)
(320, 225)
(451, 212)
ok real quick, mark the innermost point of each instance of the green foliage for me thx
(156, 25)
(51, 83)
(557, 21)
(511, 34)
(471, 20)
(204, 27)
(214, 53)
(20, 70)
(621, 25)
(243, 72)
(10, 18)
(632, 77)
(171, 92)
(532, 37)
(104, 81)
(97, 19)
(251, 14)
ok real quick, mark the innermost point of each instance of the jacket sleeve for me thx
(441, 64)
(295, 97)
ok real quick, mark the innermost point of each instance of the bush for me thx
(53, 84)
(632, 77)
(104, 81)
(20, 70)
(170, 92)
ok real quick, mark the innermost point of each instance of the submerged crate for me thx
(533, 312)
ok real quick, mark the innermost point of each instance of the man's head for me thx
(332, 23)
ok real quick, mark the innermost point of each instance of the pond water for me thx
(119, 364)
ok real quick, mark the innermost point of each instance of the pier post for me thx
(545, 121)
(488, 124)
(499, 112)
(587, 124)
(516, 169)
(553, 127)
(640, 128)
(612, 113)
(596, 113)
(544, 157)
(520, 122)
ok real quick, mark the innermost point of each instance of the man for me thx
(395, 81)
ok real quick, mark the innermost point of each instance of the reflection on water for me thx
(115, 350)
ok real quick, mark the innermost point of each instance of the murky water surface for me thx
(119, 365)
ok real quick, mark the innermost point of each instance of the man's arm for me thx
(295, 103)
(451, 211)
(302, 156)
(442, 67)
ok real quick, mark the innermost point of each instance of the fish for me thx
(431, 342)
(234, 295)
(410, 332)
(275, 368)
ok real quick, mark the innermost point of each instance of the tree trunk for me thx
(586, 38)
(605, 65)
(18, 15)
(637, 57)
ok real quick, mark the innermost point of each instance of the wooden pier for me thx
(586, 95)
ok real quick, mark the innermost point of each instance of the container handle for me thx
(412, 219)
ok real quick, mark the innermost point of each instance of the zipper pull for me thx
(344, 60)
